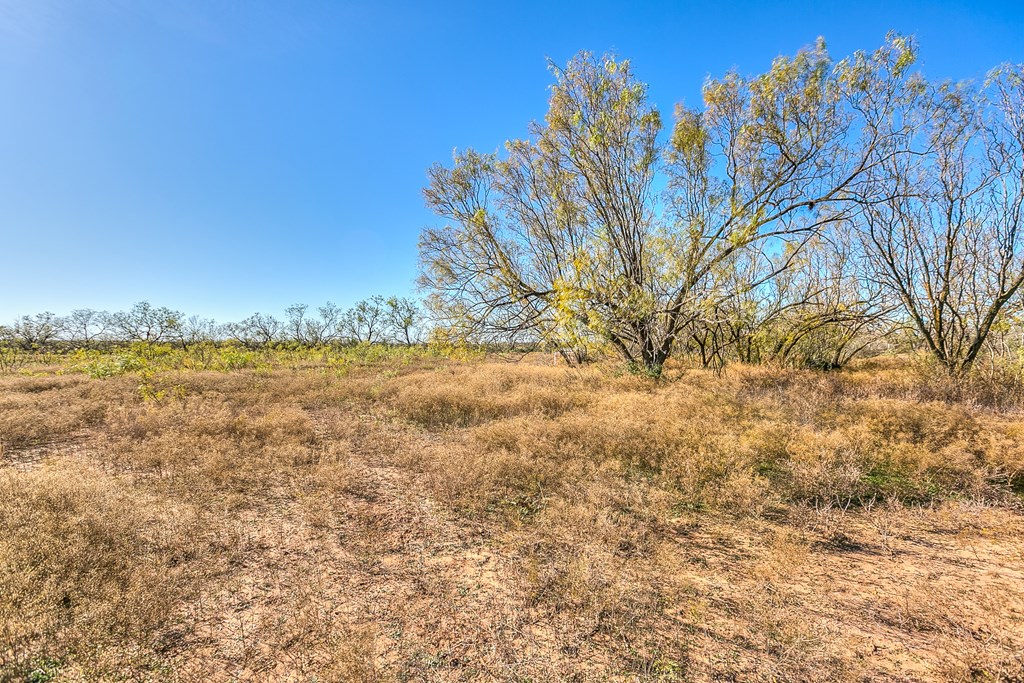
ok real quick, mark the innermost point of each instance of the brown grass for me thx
(495, 521)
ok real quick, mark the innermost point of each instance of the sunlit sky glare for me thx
(225, 157)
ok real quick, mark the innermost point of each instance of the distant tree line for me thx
(799, 216)
(392, 320)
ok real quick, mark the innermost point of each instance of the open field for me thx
(718, 377)
(412, 517)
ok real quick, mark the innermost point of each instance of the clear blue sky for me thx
(223, 157)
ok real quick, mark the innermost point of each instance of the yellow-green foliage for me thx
(148, 358)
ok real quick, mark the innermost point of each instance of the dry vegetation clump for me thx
(211, 443)
(35, 411)
(93, 571)
(492, 521)
(460, 397)
(740, 452)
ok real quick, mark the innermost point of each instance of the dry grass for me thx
(492, 521)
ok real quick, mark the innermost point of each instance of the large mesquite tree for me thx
(597, 227)
(943, 219)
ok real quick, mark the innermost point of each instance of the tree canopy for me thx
(603, 227)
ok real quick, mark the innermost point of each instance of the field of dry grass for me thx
(490, 520)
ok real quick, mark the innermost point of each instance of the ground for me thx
(500, 519)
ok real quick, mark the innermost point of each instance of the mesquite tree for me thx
(942, 225)
(567, 235)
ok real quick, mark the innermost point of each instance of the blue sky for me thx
(223, 157)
